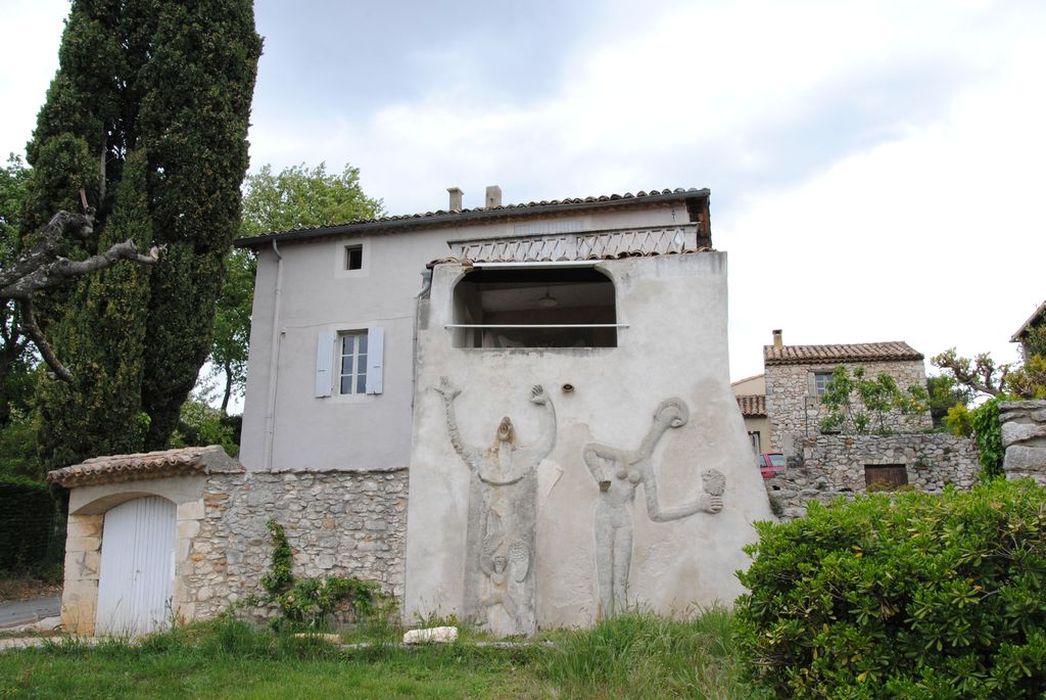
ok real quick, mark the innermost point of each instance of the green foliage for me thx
(18, 457)
(308, 603)
(148, 115)
(303, 197)
(641, 655)
(987, 433)
(199, 424)
(859, 405)
(958, 421)
(27, 514)
(944, 393)
(908, 596)
(101, 412)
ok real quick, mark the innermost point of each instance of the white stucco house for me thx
(519, 414)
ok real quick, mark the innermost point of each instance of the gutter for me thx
(275, 344)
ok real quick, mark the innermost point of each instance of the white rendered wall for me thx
(317, 295)
(676, 346)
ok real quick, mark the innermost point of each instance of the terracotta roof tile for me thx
(752, 405)
(148, 465)
(857, 352)
(434, 218)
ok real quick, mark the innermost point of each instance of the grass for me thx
(633, 656)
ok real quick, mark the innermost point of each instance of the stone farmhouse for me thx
(785, 416)
(517, 414)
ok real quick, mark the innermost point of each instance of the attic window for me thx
(547, 307)
(354, 257)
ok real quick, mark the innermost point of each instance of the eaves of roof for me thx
(752, 405)
(113, 469)
(822, 354)
(436, 219)
(1039, 315)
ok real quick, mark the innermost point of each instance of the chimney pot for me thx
(455, 198)
(778, 338)
(493, 196)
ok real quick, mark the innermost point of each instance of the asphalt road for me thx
(19, 612)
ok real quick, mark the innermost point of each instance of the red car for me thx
(770, 464)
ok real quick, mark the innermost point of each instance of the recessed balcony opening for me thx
(552, 307)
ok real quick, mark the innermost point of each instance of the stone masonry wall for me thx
(795, 412)
(345, 523)
(1024, 439)
(833, 466)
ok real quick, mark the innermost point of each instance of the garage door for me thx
(137, 571)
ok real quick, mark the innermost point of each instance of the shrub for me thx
(987, 433)
(915, 595)
(27, 518)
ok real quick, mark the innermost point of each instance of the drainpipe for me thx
(426, 288)
(274, 358)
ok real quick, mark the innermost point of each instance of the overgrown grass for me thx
(633, 656)
(641, 655)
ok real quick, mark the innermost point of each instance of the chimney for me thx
(455, 198)
(493, 196)
(778, 339)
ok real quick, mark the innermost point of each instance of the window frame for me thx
(357, 356)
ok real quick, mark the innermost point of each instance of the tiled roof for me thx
(857, 352)
(752, 405)
(444, 217)
(1039, 315)
(148, 465)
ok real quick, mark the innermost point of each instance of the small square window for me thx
(352, 363)
(354, 257)
(821, 380)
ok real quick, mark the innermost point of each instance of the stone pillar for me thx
(1024, 439)
(83, 559)
(187, 527)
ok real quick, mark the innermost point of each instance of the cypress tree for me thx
(148, 115)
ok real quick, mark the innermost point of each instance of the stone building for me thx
(517, 414)
(1036, 320)
(796, 377)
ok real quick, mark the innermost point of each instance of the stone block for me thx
(191, 510)
(84, 526)
(1021, 432)
(187, 529)
(1024, 458)
(439, 635)
(83, 544)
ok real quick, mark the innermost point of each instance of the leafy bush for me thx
(27, 518)
(913, 596)
(987, 433)
(858, 405)
(308, 603)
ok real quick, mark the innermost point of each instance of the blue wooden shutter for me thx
(375, 353)
(324, 362)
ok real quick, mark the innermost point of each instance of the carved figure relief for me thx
(499, 579)
(619, 472)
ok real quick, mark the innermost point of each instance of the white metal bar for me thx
(537, 325)
(540, 263)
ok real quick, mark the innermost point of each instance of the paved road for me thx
(19, 612)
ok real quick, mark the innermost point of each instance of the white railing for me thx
(590, 245)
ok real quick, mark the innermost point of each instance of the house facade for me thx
(517, 414)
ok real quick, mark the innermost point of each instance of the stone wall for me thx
(795, 411)
(344, 523)
(834, 465)
(1024, 439)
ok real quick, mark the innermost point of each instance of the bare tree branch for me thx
(37, 335)
(44, 266)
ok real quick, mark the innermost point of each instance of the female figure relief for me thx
(502, 511)
(618, 473)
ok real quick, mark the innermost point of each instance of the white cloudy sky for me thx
(877, 168)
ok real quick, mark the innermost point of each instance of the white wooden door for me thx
(136, 579)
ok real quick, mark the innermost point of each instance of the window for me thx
(536, 307)
(352, 363)
(885, 477)
(757, 443)
(354, 257)
(821, 380)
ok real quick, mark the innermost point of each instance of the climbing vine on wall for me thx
(309, 602)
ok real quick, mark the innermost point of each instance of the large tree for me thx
(296, 197)
(148, 116)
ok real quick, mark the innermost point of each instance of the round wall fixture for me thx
(568, 388)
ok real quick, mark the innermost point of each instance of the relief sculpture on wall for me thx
(499, 589)
(619, 472)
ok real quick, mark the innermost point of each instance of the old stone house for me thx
(825, 466)
(1036, 320)
(517, 414)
